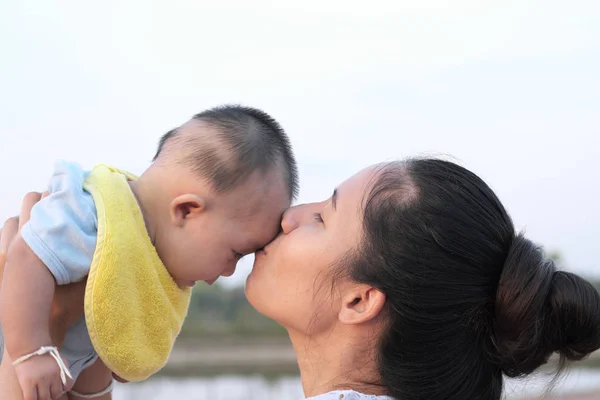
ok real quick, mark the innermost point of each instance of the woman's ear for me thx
(361, 304)
(185, 207)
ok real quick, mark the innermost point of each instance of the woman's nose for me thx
(290, 221)
(299, 215)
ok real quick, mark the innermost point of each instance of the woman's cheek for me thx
(292, 255)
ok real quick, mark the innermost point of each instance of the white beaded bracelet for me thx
(53, 351)
(64, 371)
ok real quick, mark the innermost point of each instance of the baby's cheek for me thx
(219, 266)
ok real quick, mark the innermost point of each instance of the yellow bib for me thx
(133, 308)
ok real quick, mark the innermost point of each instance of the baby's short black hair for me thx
(246, 140)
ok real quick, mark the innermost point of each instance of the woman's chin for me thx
(258, 288)
(255, 286)
(251, 292)
(259, 259)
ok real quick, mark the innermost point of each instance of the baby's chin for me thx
(183, 284)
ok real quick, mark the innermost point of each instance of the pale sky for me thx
(509, 89)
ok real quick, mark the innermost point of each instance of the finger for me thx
(45, 194)
(9, 231)
(2, 255)
(2, 265)
(43, 392)
(56, 391)
(69, 385)
(30, 393)
(7, 234)
(29, 201)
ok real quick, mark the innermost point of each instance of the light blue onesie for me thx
(348, 395)
(62, 232)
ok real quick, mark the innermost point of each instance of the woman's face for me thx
(291, 281)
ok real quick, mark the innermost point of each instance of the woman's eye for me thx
(237, 255)
(318, 217)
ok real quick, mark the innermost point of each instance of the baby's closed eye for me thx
(237, 255)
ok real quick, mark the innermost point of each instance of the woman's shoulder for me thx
(348, 395)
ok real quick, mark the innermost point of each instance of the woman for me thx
(410, 282)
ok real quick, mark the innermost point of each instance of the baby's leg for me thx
(93, 379)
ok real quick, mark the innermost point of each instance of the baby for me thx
(214, 192)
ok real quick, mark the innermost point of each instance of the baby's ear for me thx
(185, 207)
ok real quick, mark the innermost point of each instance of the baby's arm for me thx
(67, 305)
(25, 301)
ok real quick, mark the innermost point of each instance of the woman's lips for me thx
(261, 252)
(265, 250)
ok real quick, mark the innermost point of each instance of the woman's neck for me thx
(336, 360)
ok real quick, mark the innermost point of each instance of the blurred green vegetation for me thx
(221, 312)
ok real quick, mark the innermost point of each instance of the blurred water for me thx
(289, 388)
(219, 388)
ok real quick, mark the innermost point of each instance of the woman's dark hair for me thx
(467, 298)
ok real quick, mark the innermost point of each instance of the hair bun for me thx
(540, 311)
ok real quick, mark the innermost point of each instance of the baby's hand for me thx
(40, 378)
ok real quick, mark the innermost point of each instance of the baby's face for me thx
(232, 225)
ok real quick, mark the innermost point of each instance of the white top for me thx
(348, 395)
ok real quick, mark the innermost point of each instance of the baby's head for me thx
(216, 191)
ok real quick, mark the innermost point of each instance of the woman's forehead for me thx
(353, 190)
